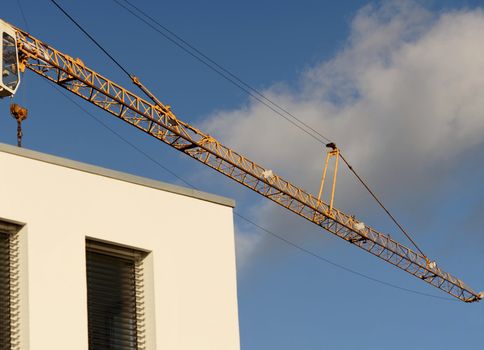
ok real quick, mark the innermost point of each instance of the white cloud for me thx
(404, 99)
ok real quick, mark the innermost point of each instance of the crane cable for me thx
(92, 39)
(273, 234)
(258, 93)
(247, 90)
(225, 73)
(261, 228)
(383, 207)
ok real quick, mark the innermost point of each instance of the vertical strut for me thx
(334, 152)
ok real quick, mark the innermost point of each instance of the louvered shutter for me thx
(9, 300)
(4, 292)
(114, 298)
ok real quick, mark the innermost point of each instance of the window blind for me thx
(115, 297)
(9, 300)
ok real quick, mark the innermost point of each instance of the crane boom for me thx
(157, 120)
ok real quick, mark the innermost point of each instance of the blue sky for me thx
(398, 85)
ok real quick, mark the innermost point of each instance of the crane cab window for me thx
(10, 75)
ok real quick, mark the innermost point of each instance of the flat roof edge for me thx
(117, 175)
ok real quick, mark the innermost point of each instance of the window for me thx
(114, 297)
(9, 69)
(9, 299)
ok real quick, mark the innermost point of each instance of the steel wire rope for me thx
(262, 96)
(381, 205)
(131, 76)
(245, 86)
(91, 38)
(252, 95)
(258, 226)
(285, 240)
(23, 15)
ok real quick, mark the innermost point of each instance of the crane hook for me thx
(20, 114)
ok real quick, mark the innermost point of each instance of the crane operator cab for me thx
(10, 76)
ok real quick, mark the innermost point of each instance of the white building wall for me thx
(190, 271)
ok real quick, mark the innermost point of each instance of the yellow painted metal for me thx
(330, 154)
(19, 113)
(160, 122)
(325, 169)
(336, 155)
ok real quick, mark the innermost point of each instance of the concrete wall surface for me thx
(190, 273)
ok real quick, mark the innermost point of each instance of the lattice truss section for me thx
(159, 122)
